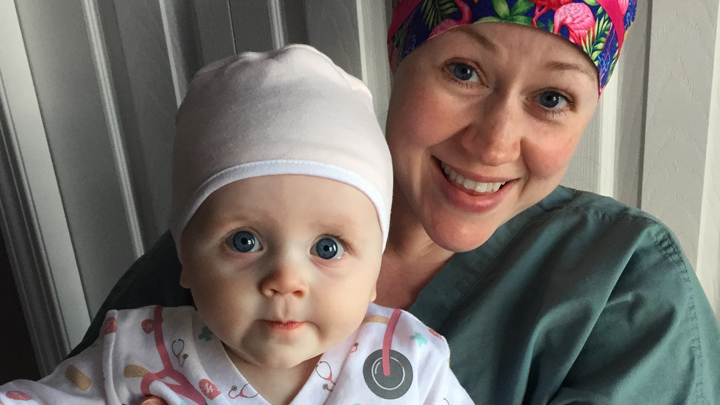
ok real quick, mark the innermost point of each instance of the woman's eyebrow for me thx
(564, 66)
(482, 40)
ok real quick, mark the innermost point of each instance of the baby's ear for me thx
(373, 295)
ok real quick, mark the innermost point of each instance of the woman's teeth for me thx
(469, 184)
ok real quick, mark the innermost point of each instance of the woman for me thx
(545, 294)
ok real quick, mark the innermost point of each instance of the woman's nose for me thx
(493, 136)
(284, 279)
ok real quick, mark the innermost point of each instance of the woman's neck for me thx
(277, 386)
(411, 258)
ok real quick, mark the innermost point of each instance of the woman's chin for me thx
(458, 236)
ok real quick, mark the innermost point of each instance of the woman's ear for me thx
(184, 282)
(184, 276)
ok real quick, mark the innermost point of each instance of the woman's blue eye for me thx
(464, 72)
(553, 100)
(328, 248)
(244, 242)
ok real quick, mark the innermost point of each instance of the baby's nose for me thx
(284, 280)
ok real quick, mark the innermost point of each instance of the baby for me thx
(282, 184)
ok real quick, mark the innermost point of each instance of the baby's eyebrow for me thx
(225, 221)
(339, 225)
(335, 227)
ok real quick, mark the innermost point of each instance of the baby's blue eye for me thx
(244, 242)
(464, 72)
(553, 100)
(328, 248)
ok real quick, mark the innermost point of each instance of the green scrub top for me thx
(577, 300)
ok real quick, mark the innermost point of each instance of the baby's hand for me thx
(153, 401)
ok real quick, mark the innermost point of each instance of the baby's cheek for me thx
(223, 309)
(341, 314)
(226, 327)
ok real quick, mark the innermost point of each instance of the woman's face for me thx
(482, 124)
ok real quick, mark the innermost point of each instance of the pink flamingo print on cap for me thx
(543, 6)
(624, 4)
(578, 18)
(448, 23)
(616, 10)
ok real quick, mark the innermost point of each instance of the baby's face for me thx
(282, 268)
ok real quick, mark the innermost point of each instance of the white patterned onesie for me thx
(169, 352)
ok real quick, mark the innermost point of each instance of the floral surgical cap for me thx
(598, 27)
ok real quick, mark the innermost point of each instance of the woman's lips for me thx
(284, 325)
(469, 200)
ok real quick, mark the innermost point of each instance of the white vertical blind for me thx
(112, 117)
(353, 35)
(374, 65)
(333, 29)
(214, 30)
(147, 91)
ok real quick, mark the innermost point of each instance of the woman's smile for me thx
(466, 194)
(471, 183)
